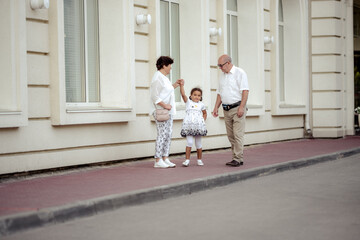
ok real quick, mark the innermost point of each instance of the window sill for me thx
(96, 110)
(12, 119)
(10, 112)
(290, 109)
(284, 105)
(93, 115)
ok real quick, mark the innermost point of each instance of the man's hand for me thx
(215, 112)
(240, 111)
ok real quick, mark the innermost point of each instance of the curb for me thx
(24, 221)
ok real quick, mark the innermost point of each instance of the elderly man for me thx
(232, 94)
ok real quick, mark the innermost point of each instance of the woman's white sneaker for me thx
(186, 163)
(167, 161)
(160, 164)
(200, 163)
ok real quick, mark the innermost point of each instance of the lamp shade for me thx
(143, 19)
(39, 4)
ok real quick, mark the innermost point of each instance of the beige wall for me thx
(48, 141)
(13, 65)
(332, 82)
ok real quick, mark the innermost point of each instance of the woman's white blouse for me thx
(161, 90)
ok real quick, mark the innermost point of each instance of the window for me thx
(244, 21)
(290, 67)
(356, 21)
(92, 61)
(81, 51)
(170, 37)
(232, 30)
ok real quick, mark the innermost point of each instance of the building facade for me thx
(75, 76)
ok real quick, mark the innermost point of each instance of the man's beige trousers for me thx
(235, 128)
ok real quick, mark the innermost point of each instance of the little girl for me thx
(194, 123)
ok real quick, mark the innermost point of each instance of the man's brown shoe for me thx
(234, 163)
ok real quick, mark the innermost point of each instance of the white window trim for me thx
(117, 67)
(299, 104)
(170, 31)
(232, 14)
(251, 40)
(16, 115)
(178, 103)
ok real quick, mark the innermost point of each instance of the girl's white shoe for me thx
(160, 164)
(186, 163)
(200, 163)
(167, 161)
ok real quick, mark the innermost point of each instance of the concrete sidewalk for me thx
(44, 199)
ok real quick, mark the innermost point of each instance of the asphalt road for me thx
(317, 202)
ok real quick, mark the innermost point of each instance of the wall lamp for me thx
(143, 19)
(215, 32)
(39, 4)
(268, 39)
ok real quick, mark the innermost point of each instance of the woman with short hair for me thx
(163, 97)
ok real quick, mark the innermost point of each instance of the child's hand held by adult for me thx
(180, 82)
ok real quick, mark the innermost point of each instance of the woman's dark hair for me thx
(163, 61)
(196, 89)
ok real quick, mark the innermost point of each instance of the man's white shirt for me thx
(232, 84)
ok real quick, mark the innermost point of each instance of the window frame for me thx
(171, 49)
(85, 60)
(117, 61)
(229, 15)
(250, 50)
(296, 87)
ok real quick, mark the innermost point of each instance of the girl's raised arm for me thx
(182, 91)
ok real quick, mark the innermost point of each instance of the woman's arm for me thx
(155, 89)
(178, 83)
(165, 106)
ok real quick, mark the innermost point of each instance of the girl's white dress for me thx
(193, 123)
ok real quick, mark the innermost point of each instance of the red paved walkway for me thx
(51, 191)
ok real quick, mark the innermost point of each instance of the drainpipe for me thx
(349, 77)
(308, 117)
